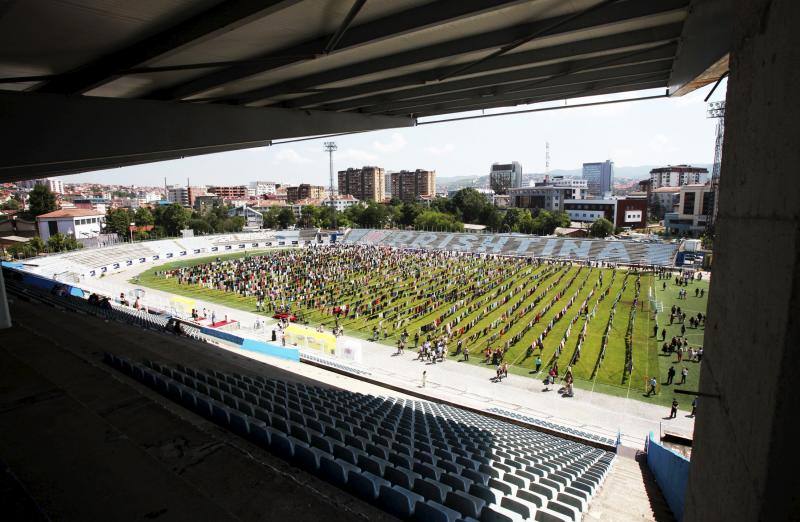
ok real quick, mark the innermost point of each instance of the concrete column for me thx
(5, 314)
(745, 456)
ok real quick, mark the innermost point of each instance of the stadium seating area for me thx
(414, 459)
(614, 251)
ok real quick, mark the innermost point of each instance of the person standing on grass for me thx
(684, 374)
(466, 353)
(673, 412)
(652, 390)
(670, 374)
(538, 363)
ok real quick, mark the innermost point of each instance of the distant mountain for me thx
(620, 173)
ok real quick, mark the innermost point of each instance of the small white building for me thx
(253, 219)
(342, 202)
(79, 222)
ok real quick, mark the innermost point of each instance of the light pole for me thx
(131, 227)
(330, 147)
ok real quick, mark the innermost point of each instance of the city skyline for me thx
(663, 131)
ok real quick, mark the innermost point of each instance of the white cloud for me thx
(395, 143)
(289, 155)
(355, 155)
(445, 149)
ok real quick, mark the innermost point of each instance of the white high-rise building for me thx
(262, 188)
(55, 185)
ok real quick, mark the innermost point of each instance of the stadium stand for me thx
(614, 251)
(412, 458)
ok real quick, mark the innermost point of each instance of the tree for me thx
(41, 200)
(61, 242)
(409, 213)
(11, 204)
(118, 221)
(143, 217)
(374, 216)
(601, 228)
(433, 220)
(470, 204)
(286, 217)
(174, 218)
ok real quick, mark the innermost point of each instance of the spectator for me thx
(673, 412)
(684, 374)
(652, 390)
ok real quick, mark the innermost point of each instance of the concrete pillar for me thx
(745, 457)
(5, 314)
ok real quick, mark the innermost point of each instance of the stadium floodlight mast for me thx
(330, 147)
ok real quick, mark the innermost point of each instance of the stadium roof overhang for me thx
(91, 84)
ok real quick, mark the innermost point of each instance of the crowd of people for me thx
(434, 302)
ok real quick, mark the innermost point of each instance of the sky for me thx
(652, 132)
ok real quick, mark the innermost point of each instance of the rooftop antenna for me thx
(330, 147)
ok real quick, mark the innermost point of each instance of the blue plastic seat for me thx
(365, 484)
(431, 511)
(399, 501)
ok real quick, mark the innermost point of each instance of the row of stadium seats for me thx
(415, 459)
(552, 426)
(332, 363)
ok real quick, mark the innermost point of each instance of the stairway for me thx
(629, 492)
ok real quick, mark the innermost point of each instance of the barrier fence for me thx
(671, 471)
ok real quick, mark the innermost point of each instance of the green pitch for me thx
(617, 349)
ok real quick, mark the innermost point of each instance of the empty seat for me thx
(401, 476)
(431, 489)
(465, 503)
(365, 484)
(335, 470)
(399, 501)
(431, 511)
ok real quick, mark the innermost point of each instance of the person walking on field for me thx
(466, 353)
(652, 391)
(538, 363)
(673, 412)
(670, 374)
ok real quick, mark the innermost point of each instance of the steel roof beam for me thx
(544, 73)
(554, 86)
(610, 14)
(419, 83)
(408, 21)
(222, 17)
(651, 81)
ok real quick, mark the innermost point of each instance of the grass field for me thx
(547, 290)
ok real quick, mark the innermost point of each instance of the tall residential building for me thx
(409, 185)
(231, 192)
(504, 176)
(262, 188)
(599, 177)
(55, 185)
(678, 176)
(184, 195)
(366, 183)
(305, 191)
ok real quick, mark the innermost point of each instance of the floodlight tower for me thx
(330, 147)
(716, 110)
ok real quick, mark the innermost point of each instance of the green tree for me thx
(374, 216)
(143, 217)
(11, 204)
(286, 217)
(409, 213)
(433, 220)
(173, 218)
(41, 200)
(118, 221)
(61, 242)
(601, 228)
(471, 205)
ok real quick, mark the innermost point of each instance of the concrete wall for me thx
(745, 448)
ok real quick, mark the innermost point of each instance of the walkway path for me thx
(471, 385)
